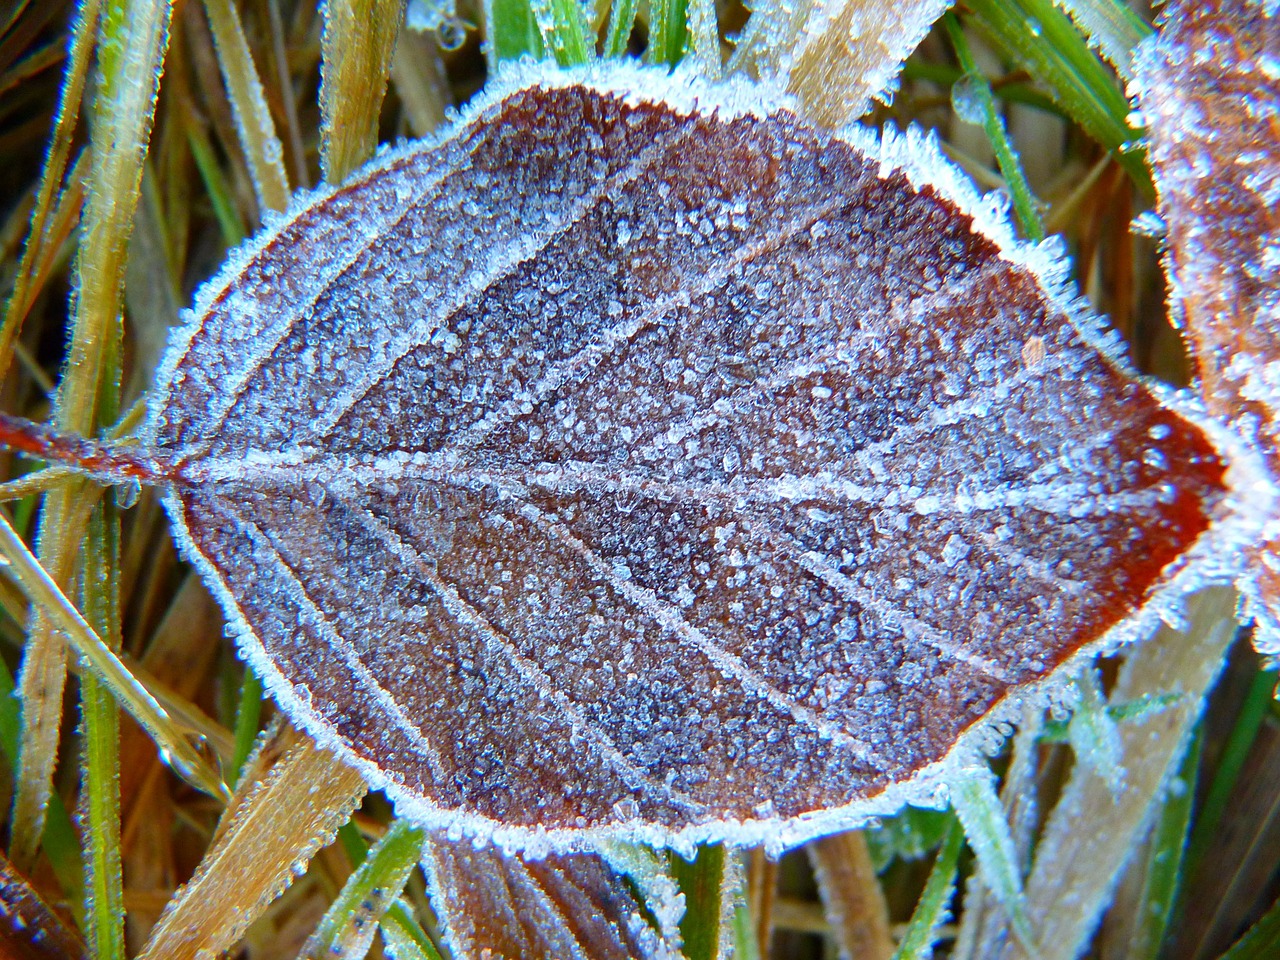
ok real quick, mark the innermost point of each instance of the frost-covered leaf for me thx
(573, 907)
(653, 465)
(834, 55)
(1209, 89)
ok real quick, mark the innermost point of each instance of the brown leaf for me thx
(621, 465)
(574, 907)
(29, 928)
(1209, 87)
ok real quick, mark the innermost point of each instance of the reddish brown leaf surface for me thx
(574, 907)
(1209, 87)
(657, 464)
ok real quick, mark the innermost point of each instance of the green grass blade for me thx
(1043, 39)
(104, 885)
(1165, 860)
(564, 30)
(403, 938)
(1112, 28)
(248, 717)
(917, 942)
(61, 843)
(510, 32)
(1253, 711)
(1261, 941)
(622, 20)
(348, 926)
(668, 32)
(702, 883)
(978, 92)
(980, 811)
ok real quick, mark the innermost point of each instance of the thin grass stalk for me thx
(133, 38)
(254, 124)
(82, 33)
(931, 910)
(1024, 204)
(104, 884)
(99, 659)
(248, 717)
(348, 926)
(1165, 859)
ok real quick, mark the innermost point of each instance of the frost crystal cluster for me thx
(657, 465)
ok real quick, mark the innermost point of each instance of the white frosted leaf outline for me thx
(655, 465)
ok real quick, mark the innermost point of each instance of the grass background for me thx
(121, 190)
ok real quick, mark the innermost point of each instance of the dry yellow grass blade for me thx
(132, 40)
(359, 41)
(851, 893)
(257, 130)
(289, 803)
(835, 55)
(1094, 828)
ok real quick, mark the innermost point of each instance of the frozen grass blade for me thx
(622, 19)
(1092, 830)
(667, 31)
(704, 36)
(701, 880)
(44, 239)
(358, 42)
(1092, 733)
(1165, 860)
(1045, 41)
(510, 31)
(987, 829)
(275, 822)
(976, 91)
(931, 911)
(66, 621)
(564, 31)
(851, 894)
(257, 130)
(1113, 29)
(133, 38)
(349, 924)
(835, 55)
(104, 885)
(402, 938)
